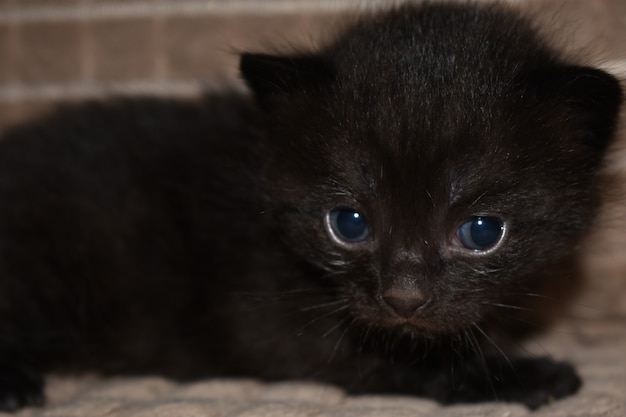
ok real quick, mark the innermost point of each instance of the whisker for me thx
(495, 345)
(363, 339)
(507, 306)
(330, 304)
(460, 344)
(278, 295)
(300, 331)
(524, 321)
(529, 294)
(257, 301)
(529, 353)
(335, 327)
(341, 336)
(483, 360)
(557, 300)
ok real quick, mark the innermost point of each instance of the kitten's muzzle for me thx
(404, 288)
(405, 303)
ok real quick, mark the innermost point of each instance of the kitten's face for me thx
(428, 227)
(430, 199)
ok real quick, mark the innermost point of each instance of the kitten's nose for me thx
(405, 303)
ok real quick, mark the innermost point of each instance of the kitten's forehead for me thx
(422, 46)
(419, 115)
(419, 75)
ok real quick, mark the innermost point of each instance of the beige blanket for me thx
(55, 50)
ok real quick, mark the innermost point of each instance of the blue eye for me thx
(348, 225)
(480, 233)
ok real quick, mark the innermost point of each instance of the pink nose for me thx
(405, 305)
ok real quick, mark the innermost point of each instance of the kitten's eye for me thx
(348, 225)
(479, 234)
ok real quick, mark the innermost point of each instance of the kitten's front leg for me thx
(531, 382)
(19, 387)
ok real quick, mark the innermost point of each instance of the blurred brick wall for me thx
(71, 49)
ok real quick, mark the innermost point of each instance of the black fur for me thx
(189, 238)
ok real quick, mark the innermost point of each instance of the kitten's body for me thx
(194, 239)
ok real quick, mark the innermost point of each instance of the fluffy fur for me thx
(192, 239)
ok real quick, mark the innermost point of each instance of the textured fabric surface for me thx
(58, 50)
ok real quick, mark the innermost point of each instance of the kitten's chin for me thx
(415, 327)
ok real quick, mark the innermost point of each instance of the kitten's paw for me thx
(542, 381)
(19, 388)
(532, 382)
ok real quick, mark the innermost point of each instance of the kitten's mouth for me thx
(412, 325)
(410, 329)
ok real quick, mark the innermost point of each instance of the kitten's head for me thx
(433, 161)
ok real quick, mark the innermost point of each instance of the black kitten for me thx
(386, 214)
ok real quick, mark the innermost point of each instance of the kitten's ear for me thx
(592, 93)
(269, 76)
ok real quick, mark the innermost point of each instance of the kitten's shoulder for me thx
(148, 116)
